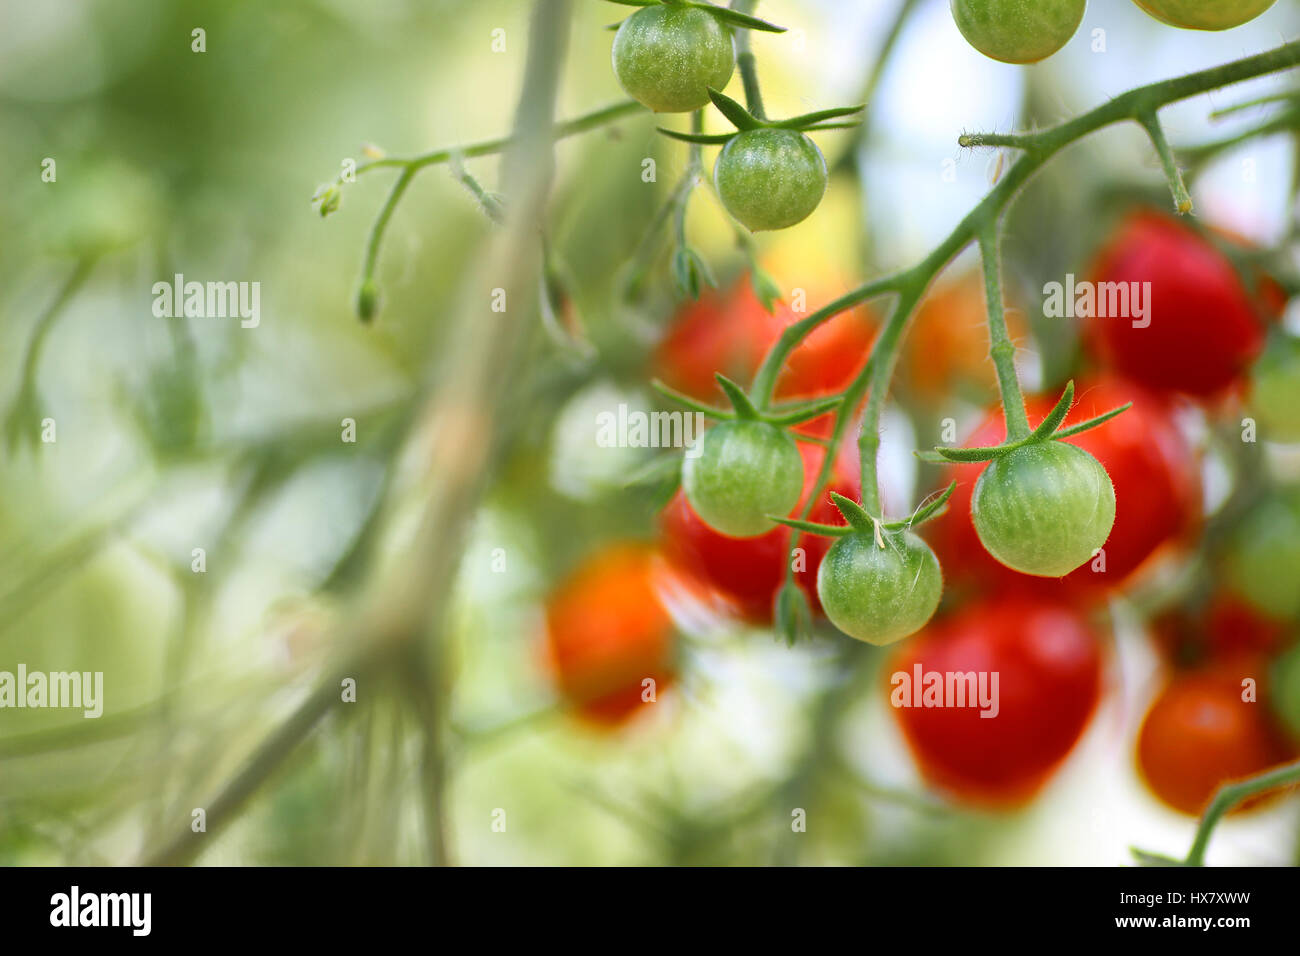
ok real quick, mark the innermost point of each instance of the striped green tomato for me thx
(1205, 14)
(667, 57)
(879, 594)
(742, 472)
(770, 178)
(1018, 31)
(1044, 508)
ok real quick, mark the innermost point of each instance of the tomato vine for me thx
(868, 531)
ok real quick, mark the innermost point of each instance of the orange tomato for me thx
(607, 631)
(1200, 734)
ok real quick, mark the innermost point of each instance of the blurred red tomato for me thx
(1157, 491)
(730, 332)
(1047, 663)
(948, 341)
(1224, 629)
(607, 631)
(1205, 327)
(1200, 734)
(748, 572)
(725, 331)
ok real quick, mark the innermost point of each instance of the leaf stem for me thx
(885, 355)
(747, 64)
(1182, 199)
(1001, 349)
(380, 225)
(1228, 796)
(579, 124)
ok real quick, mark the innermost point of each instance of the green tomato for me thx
(879, 594)
(102, 210)
(668, 57)
(1262, 562)
(770, 178)
(743, 472)
(1275, 391)
(1044, 508)
(1018, 31)
(1205, 14)
(1285, 693)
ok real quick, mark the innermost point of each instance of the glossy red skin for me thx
(607, 630)
(1157, 492)
(1199, 734)
(730, 332)
(1049, 665)
(748, 572)
(1205, 327)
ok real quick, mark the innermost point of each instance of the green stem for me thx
(1287, 120)
(1001, 349)
(885, 355)
(765, 380)
(579, 124)
(380, 225)
(1228, 796)
(74, 281)
(747, 64)
(1182, 199)
(414, 164)
(1284, 96)
(690, 179)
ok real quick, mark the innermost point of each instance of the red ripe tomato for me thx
(725, 331)
(1200, 734)
(747, 573)
(730, 332)
(1157, 492)
(1048, 666)
(607, 631)
(1205, 327)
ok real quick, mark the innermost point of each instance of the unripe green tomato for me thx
(1262, 563)
(770, 178)
(1018, 31)
(1275, 391)
(1205, 14)
(668, 57)
(1044, 508)
(745, 471)
(101, 210)
(1285, 690)
(879, 594)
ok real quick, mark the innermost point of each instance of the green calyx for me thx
(1048, 430)
(744, 409)
(860, 522)
(731, 18)
(745, 121)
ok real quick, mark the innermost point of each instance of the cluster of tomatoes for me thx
(1049, 518)
(1017, 32)
(1211, 351)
